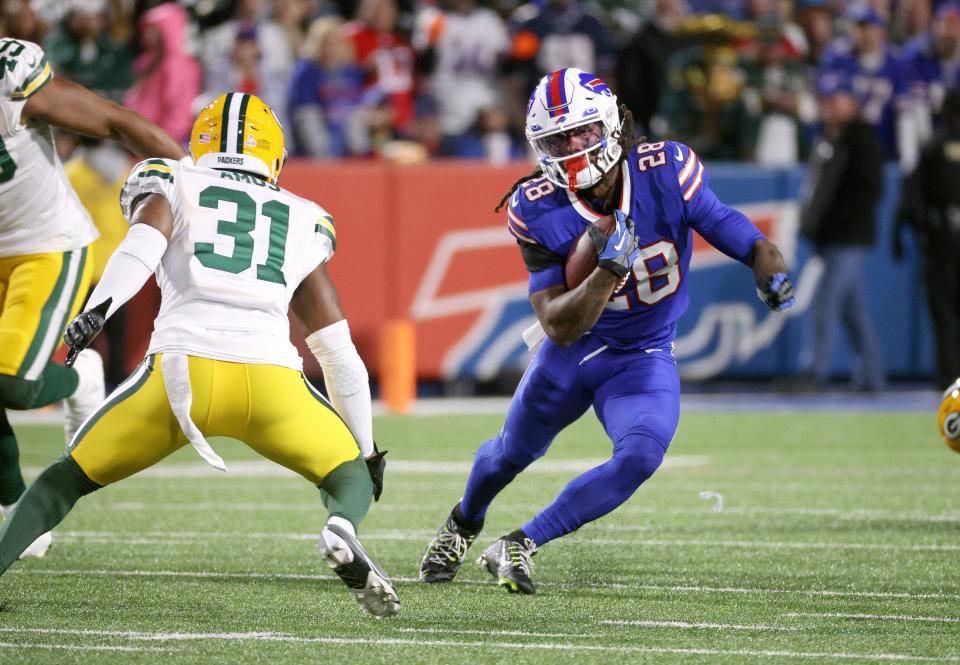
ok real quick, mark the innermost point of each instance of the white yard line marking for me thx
(873, 617)
(81, 647)
(267, 469)
(480, 644)
(858, 514)
(181, 537)
(206, 574)
(696, 625)
(508, 633)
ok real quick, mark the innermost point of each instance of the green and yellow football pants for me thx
(272, 409)
(39, 295)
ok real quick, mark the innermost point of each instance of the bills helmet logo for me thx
(594, 84)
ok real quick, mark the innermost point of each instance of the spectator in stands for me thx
(19, 20)
(815, 18)
(462, 46)
(877, 71)
(775, 95)
(703, 103)
(81, 49)
(387, 60)
(554, 34)
(931, 206)
(295, 17)
(327, 102)
(249, 52)
(642, 64)
(838, 201)
(167, 77)
(933, 66)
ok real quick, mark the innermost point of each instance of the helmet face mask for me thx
(239, 132)
(573, 126)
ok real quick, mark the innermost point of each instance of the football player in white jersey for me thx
(231, 251)
(45, 265)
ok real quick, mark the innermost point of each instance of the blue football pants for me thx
(636, 396)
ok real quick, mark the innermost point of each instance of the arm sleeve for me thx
(346, 380)
(151, 176)
(725, 228)
(545, 267)
(129, 267)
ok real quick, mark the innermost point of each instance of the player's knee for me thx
(639, 457)
(507, 458)
(17, 393)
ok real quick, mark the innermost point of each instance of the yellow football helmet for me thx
(948, 419)
(239, 131)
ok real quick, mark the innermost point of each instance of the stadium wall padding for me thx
(423, 242)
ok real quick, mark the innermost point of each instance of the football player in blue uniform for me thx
(607, 342)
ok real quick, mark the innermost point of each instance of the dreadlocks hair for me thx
(624, 136)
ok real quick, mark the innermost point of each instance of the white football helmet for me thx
(572, 114)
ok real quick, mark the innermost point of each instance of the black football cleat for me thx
(511, 563)
(446, 552)
(369, 585)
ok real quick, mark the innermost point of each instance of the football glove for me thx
(777, 292)
(84, 329)
(375, 467)
(618, 252)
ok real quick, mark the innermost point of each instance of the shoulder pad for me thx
(23, 68)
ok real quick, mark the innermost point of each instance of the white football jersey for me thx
(468, 49)
(39, 211)
(240, 247)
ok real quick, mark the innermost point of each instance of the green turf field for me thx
(839, 541)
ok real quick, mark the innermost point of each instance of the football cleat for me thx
(446, 552)
(369, 585)
(37, 548)
(89, 394)
(511, 563)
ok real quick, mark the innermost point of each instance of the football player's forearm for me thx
(766, 260)
(567, 317)
(142, 137)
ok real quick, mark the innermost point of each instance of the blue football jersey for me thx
(928, 78)
(666, 193)
(880, 86)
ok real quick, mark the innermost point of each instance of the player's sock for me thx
(56, 383)
(598, 491)
(490, 473)
(347, 491)
(42, 507)
(11, 480)
(463, 522)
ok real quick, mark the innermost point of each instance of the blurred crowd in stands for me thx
(407, 79)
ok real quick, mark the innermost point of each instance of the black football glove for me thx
(777, 292)
(84, 329)
(618, 252)
(375, 467)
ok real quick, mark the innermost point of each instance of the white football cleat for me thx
(38, 547)
(367, 582)
(89, 394)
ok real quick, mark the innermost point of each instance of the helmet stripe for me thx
(241, 122)
(224, 119)
(557, 94)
